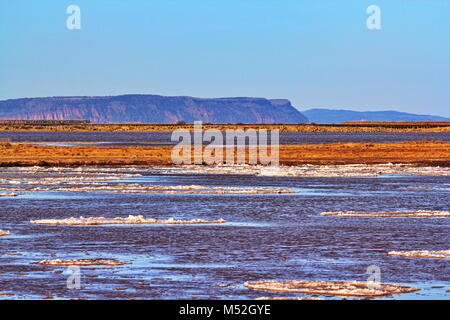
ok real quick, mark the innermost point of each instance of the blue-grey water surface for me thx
(164, 138)
(279, 236)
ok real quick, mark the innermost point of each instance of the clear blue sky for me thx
(317, 53)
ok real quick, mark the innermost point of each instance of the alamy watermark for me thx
(373, 21)
(73, 21)
(74, 278)
(238, 146)
(374, 279)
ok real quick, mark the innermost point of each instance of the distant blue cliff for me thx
(152, 109)
(338, 116)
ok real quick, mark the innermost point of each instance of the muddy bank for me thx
(418, 153)
(444, 254)
(106, 180)
(130, 220)
(332, 288)
(88, 178)
(82, 262)
(362, 126)
(402, 214)
(308, 170)
(4, 233)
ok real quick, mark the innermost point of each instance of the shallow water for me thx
(267, 236)
(108, 139)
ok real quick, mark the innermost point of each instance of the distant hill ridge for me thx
(339, 116)
(152, 109)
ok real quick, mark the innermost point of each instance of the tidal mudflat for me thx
(419, 153)
(267, 226)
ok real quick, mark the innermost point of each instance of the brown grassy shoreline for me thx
(368, 126)
(420, 153)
